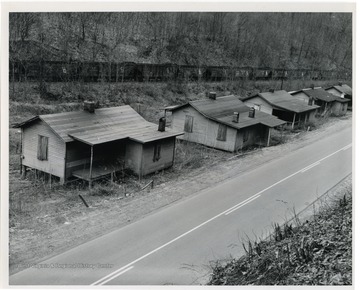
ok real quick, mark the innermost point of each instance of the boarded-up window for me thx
(188, 126)
(42, 153)
(221, 136)
(157, 152)
(245, 135)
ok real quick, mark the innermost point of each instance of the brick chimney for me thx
(89, 106)
(162, 124)
(252, 113)
(236, 117)
(271, 90)
(212, 95)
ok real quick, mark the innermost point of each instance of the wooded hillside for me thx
(290, 40)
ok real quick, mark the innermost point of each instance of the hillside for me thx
(290, 40)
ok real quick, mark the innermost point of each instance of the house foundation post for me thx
(91, 165)
(268, 141)
(293, 123)
(23, 171)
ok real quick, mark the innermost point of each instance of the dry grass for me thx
(317, 251)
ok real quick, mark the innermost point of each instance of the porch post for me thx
(21, 150)
(293, 123)
(91, 164)
(268, 141)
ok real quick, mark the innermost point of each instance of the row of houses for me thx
(96, 143)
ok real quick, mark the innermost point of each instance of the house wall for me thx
(256, 135)
(339, 109)
(264, 106)
(56, 149)
(204, 130)
(336, 92)
(133, 156)
(166, 155)
(301, 96)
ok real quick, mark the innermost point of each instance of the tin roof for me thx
(283, 100)
(320, 94)
(222, 110)
(104, 125)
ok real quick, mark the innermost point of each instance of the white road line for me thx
(114, 274)
(309, 167)
(347, 147)
(240, 203)
(236, 208)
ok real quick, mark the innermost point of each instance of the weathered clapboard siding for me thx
(339, 109)
(204, 131)
(255, 135)
(302, 97)
(166, 155)
(133, 156)
(56, 149)
(264, 106)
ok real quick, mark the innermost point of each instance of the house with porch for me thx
(95, 143)
(282, 105)
(224, 123)
(342, 91)
(328, 103)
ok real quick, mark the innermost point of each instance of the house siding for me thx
(133, 156)
(264, 106)
(301, 96)
(339, 109)
(204, 131)
(336, 92)
(166, 155)
(54, 164)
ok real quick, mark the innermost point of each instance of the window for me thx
(245, 135)
(157, 150)
(188, 126)
(221, 132)
(42, 153)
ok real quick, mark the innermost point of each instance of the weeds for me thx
(294, 255)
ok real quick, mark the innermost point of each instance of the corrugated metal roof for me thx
(104, 125)
(320, 94)
(284, 100)
(222, 110)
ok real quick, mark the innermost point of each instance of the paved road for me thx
(175, 245)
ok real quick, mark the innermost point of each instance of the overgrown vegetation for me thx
(314, 252)
(291, 40)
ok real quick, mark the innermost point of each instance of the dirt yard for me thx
(45, 222)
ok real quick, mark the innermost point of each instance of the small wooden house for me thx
(93, 143)
(342, 91)
(328, 103)
(282, 105)
(224, 123)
